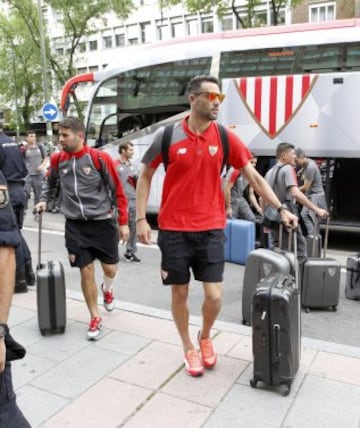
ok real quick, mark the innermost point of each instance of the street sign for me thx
(50, 111)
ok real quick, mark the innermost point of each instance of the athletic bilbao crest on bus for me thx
(274, 100)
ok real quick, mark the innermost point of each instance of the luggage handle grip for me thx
(39, 239)
(277, 342)
(326, 239)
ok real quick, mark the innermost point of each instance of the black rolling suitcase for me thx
(51, 295)
(352, 284)
(321, 280)
(276, 329)
(260, 264)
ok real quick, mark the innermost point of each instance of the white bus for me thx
(298, 83)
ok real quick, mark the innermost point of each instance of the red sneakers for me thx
(193, 365)
(208, 355)
(94, 330)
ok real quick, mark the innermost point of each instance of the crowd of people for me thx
(105, 201)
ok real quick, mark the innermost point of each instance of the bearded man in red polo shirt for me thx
(192, 213)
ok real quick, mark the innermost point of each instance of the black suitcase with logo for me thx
(276, 329)
(51, 294)
(352, 284)
(321, 281)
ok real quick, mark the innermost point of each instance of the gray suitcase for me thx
(321, 280)
(352, 284)
(260, 264)
(51, 295)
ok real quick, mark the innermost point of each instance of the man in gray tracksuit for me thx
(91, 193)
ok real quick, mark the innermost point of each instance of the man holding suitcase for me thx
(90, 189)
(312, 187)
(10, 414)
(282, 178)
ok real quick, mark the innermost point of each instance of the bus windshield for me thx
(135, 99)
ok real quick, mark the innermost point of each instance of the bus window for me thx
(290, 60)
(352, 58)
(137, 98)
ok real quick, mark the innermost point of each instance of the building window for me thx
(93, 68)
(60, 51)
(81, 70)
(119, 40)
(192, 27)
(322, 12)
(227, 23)
(82, 47)
(162, 32)
(177, 27)
(207, 24)
(107, 42)
(145, 32)
(93, 45)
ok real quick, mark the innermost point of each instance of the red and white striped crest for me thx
(274, 100)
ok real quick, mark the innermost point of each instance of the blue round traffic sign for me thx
(50, 111)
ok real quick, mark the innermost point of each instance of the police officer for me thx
(10, 414)
(13, 166)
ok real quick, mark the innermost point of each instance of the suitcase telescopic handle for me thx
(281, 228)
(39, 238)
(326, 239)
(316, 233)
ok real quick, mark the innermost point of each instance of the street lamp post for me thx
(49, 132)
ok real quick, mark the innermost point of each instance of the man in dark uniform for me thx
(10, 414)
(13, 166)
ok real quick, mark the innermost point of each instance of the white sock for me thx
(108, 282)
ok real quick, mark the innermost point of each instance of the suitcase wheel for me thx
(62, 330)
(43, 332)
(334, 308)
(286, 391)
(244, 322)
(253, 383)
(307, 310)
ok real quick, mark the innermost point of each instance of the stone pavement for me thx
(134, 377)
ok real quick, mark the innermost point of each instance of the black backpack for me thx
(166, 139)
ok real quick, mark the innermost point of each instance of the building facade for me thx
(320, 10)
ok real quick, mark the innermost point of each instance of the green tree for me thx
(20, 83)
(79, 19)
(246, 14)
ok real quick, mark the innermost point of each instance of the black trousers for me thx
(10, 414)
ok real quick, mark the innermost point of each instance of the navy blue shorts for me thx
(201, 252)
(10, 414)
(87, 240)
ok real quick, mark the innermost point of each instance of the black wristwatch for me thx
(3, 330)
(281, 207)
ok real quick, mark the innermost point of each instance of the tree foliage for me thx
(80, 19)
(246, 15)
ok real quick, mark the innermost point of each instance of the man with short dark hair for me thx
(128, 175)
(283, 180)
(312, 187)
(192, 213)
(36, 159)
(90, 188)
